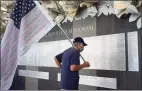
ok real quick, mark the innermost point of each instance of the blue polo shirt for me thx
(69, 79)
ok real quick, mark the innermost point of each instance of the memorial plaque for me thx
(42, 54)
(96, 81)
(106, 52)
(133, 61)
(34, 74)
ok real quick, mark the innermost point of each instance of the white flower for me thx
(139, 23)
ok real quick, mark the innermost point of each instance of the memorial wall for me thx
(114, 52)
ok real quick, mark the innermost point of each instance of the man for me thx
(69, 63)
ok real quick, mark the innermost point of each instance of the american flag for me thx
(28, 23)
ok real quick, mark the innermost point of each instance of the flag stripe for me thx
(41, 33)
(33, 34)
(13, 61)
(7, 47)
(5, 52)
(12, 47)
(35, 24)
(5, 73)
(7, 32)
(7, 40)
(6, 83)
(11, 65)
(39, 36)
(8, 35)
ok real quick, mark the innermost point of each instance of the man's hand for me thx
(86, 64)
(78, 67)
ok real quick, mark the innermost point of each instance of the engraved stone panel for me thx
(133, 62)
(106, 52)
(96, 81)
(103, 52)
(34, 74)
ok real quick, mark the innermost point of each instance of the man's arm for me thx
(58, 60)
(79, 67)
(75, 62)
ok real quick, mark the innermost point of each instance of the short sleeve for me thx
(59, 57)
(75, 58)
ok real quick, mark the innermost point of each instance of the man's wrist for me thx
(82, 66)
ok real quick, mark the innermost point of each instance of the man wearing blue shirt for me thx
(69, 63)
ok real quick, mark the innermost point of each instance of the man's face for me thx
(80, 47)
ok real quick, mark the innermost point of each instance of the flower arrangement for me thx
(61, 11)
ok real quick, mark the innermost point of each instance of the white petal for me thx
(132, 9)
(111, 10)
(139, 23)
(133, 17)
(99, 12)
(92, 11)
(92, 15)
(120, 12)
(59, 18)
(105, 10)
(70, 18)
(65, 20)
(3, 9)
